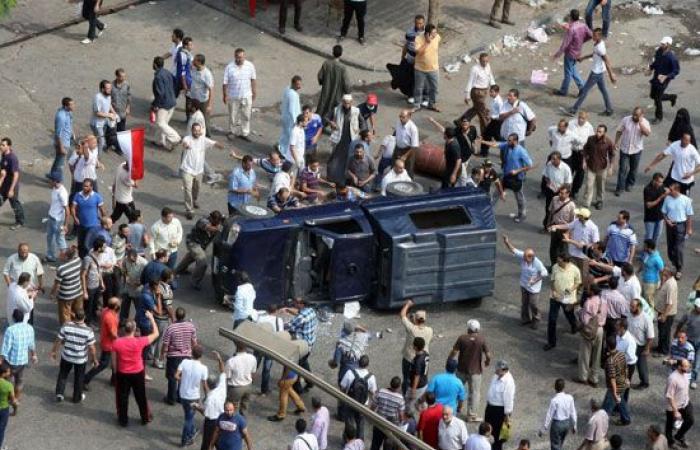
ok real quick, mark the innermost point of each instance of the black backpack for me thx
(359, 389)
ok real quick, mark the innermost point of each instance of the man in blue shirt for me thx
(87, 208)
(665, 68)
(678, 215)
(146, 302)
(516, 162)
(63, 135)
(231, 430)
(103, 231)
(621, 240)
(312, 130)
(241, 185)
(652, 264)
(448, 389)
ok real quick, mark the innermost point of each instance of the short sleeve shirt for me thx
(193, 157)
(472, 348)
(202, 82)
(237, 79)
(312, 127)
(599, 52)
(231, 430)
(88, 208)
(414, 331)
(420, 368)
(10, 164)
(453, 153)
(684, 161)
(129, 353)
(651, 193)
(428, 60)
(6, 389)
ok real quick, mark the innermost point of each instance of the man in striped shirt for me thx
(78, 341)
(621, 240)
(388, 403)
(67, 290)
(178, 340)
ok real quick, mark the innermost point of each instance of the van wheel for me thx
(255, 211)
(404, 189)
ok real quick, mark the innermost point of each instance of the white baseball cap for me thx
(667, 40)
(473, 325)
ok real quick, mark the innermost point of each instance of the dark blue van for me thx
(433, 248)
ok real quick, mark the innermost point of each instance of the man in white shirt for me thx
(601, 65)
(452, 431)
(123, 192)
(397, 173)
(500, 401)
(641, 327)
(480, 80)
(629, 286)
(21, 296)
(582, 233)
(166, 234)
(582, 130)
(563, 140)
(678, 215)
(192, 375)
(629, 140)
(201, 89)
(84, 163)
(407, 140)
(21, 262)
(240, 369)
(686, 160)
(516, 117)
(556, 173)
(626, 343)
(561, 416)
(240, 89)
(480, 440)
(213, 405)
(58, 211)
(192, 166)
(304, 440)
(104, 117)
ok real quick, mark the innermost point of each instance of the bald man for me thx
(532, 271)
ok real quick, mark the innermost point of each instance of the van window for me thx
(440, 218)
(341, 227)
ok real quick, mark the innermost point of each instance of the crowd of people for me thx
(615, 289)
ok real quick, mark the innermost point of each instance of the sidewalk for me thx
(463, 26)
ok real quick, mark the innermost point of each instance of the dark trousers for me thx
(16, 207)
(122, 208)
(125, 383)
(504, 16)
(548, 196)
(381, 440)
(658, 94)
(127, 300)
(91, 305)
(359, 9)
(609, 404)
(664, 341)
(557, 433)
(171, 365)
(82, 234)
(207, 433)
(642, 366)
(627, 173)
(495, 416)
(121, 125)
(578, 172)
(675, 239)
(688, 420)
(405, 375)
(556, 246)
(90, 15)
(105, 361)
(304, 363)
(265, 377)
(59, 162)
(355, 419)
(552, 321)
(4, 418)
(283, 14)
(493, 131)
(78, 375)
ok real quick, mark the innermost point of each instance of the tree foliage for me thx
(6, 6)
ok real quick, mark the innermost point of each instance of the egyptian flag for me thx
(131, 143)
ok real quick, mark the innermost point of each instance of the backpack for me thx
(359, 389)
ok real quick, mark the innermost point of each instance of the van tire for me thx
(404, 189)
(254, 211)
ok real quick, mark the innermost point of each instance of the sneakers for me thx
(86, 41)
(215, 179)
(99, 32)
(16, 226)
(82, 397)
(410, 100)
(59, 398)
(148, 378)
(693, 385)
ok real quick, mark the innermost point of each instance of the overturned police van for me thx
(433, 248)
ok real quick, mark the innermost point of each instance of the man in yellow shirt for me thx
(566, 281)
(426, 67)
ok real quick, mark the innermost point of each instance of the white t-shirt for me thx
(198, 118)
(59, 201)
(173, 53)
(195, 151)
(18, 298)
(123, 186)
(349, 379)
(192, 373)
(599, 52)
(216, 398)
(684, 161)
(298, 142)
(240, 369)
(281, 179)
(389, 143)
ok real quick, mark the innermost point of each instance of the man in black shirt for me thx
(654, 195)
(199, 238)
(453, 158)
(419, 374)
(490, 176)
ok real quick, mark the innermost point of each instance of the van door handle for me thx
(352, 268)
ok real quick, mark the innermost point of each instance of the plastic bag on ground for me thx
(537, 35)
(539, 77)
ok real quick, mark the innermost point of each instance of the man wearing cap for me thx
(346, 122)
(472, 356)
(500, 401)
(58, 211)
(368, 111)
(415, 327)
(532, 272)
(582, 233)
(665, 68)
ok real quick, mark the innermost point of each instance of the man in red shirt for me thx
(109, 324)
(429, 421)
(130, 373)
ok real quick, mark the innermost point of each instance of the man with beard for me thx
(346, 122)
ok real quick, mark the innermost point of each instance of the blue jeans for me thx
(189, 428)
(557, 433)
(429, 79)
(696, 364)
(570, 72)
(627, 172)
(4, 418)
(594, 79)
(54, 238)
(652, 230)
(265, 377)
(609, 405)
(606, 9)
(172, 263)
(59, 161)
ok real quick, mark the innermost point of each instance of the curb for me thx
(70, 23)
